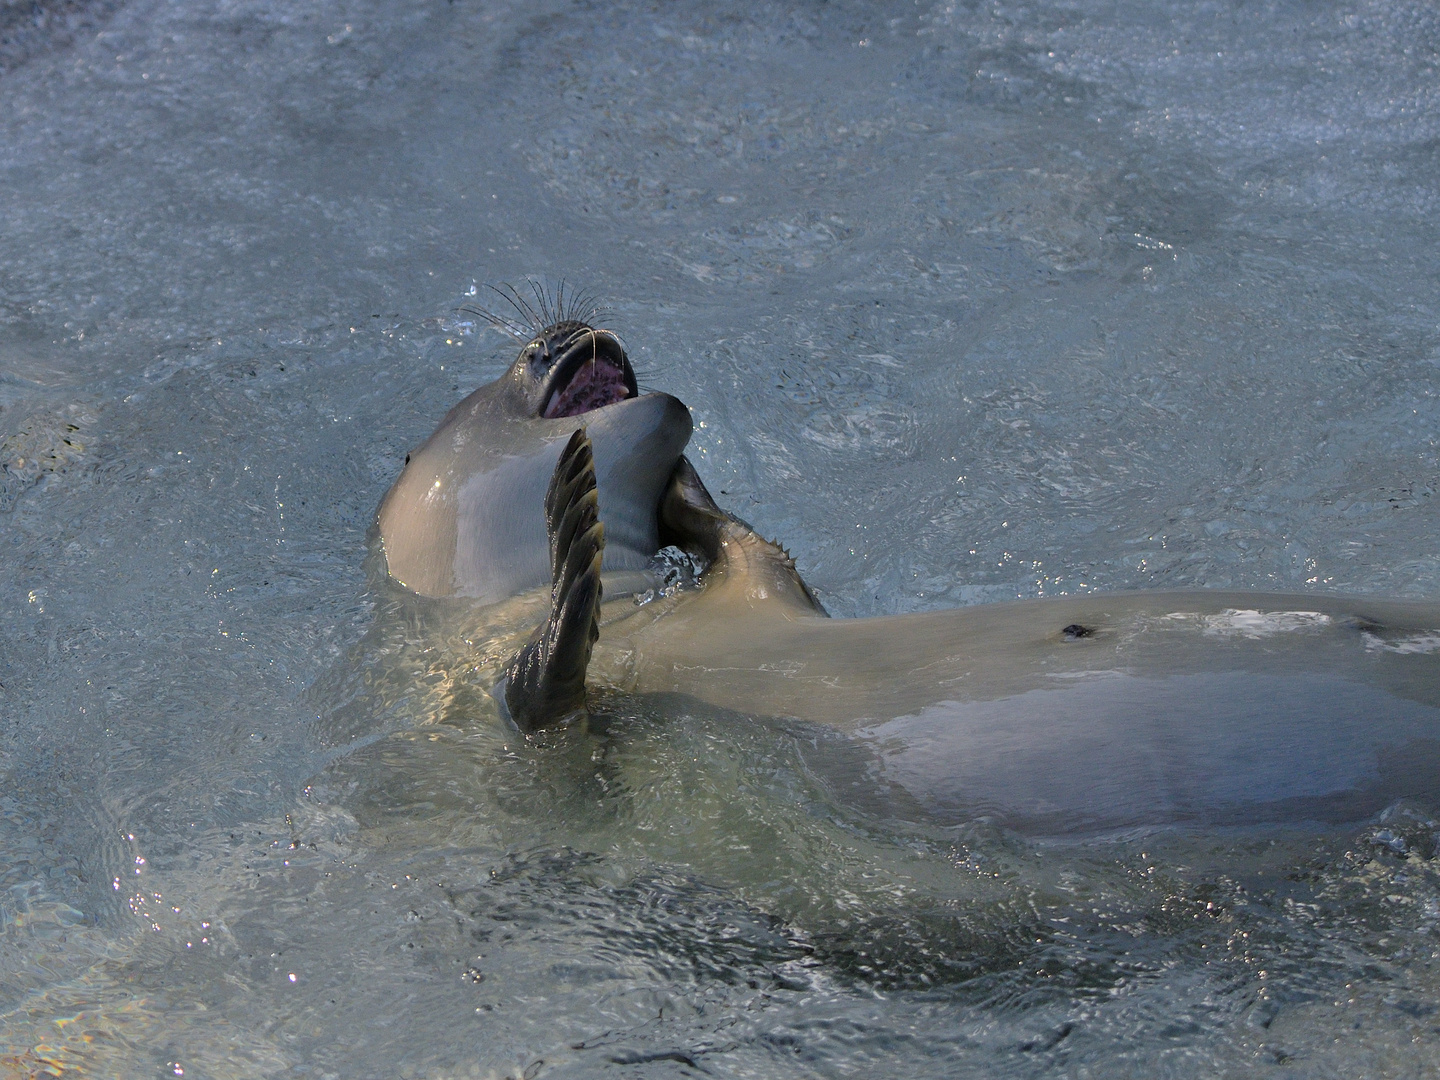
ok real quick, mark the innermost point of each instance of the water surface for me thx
(970, 302)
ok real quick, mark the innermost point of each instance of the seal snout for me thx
(590, 372)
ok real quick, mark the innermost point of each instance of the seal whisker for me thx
(509, 299)
(584, 307)
(538, 308)
(560, 300)
(498, 321)
(543, 302)
(519, 303)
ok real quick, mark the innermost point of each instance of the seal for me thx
(1066, 715)
(466, 516)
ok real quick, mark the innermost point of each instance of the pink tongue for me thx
(594, 385)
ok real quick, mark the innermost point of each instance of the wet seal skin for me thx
(1064, 716)
(466, 517)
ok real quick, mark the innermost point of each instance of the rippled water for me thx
(970, 302)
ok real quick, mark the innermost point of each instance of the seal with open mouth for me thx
(1061, 715)
(466, 517)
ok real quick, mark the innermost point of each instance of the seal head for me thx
(572, 368)
(466, 516)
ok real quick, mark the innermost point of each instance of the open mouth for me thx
(592, 372)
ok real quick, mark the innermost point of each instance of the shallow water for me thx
(969, 301)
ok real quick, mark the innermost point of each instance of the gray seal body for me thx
(466, 516)
(1065, 717)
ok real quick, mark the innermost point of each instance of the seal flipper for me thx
(545, 681)
(740, 559)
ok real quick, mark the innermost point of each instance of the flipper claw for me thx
(545, 681)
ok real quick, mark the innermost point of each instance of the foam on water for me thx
(969, 301)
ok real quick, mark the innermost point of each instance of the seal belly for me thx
(1115, 750)
(500, 544)
(466, 517)
(418, 529)
(1076, 715)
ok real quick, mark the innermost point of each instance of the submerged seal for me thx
(1062, 715)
